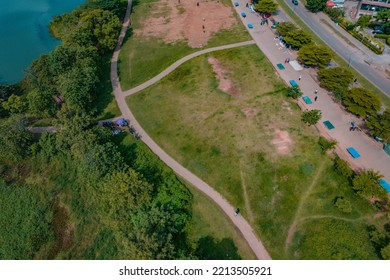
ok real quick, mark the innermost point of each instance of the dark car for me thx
(378, 30)
(295, 2)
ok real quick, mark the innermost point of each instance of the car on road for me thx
(295, 2)
(378, 30)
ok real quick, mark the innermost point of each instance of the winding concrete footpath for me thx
(246, 230)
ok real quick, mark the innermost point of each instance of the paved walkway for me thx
(246, 230)
(372, 154)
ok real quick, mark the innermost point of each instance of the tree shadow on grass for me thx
(209, 248)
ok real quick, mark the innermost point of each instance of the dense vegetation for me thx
(79, 193)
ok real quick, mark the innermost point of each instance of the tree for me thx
(41, 103)
(342, 167)
(284, 28)
(314, 55)
(116, 7)
(293, 92)
(15, 140)
(343, 204)
(385, 252)
(298, 38)
(266, 6)
(326, 144)
(361, 102)
(364, 20)
(380, 125)
(386, 27)
(316, 5)
(366, 184)
(337, 79)
(383, 15)
(311, 117)
(102, 27)
(15, 104)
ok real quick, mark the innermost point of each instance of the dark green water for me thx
(24, 33)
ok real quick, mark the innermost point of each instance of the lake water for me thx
(24, 33)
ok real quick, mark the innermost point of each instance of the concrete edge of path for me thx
(253, 241)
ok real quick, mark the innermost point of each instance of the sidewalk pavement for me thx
(372, 154)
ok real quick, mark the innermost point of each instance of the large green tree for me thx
(298, 38)
(316, 5)
(366, 184)
(383, 15)
(15, 104)
(266, 6)
(336, 79)
(380, 125)
(284, 28)
(361, 102)
(314, 55)
(385, 252)
(311, 117)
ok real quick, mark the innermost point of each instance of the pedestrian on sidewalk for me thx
(316, 91)
(315, 98)
(300, 77)
(237, 212)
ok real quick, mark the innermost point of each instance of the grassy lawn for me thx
(339, 60)
(143, 57)
(206, 130)
(210, 229)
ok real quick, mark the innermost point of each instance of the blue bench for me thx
(236, 4)
(384, 185)
(250, 25)
(293, 83)
(280, 66)
(307, 99)
(353, 152)
(328, 124)
(243, 14)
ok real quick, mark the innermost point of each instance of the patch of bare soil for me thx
(225, 83)
(190, 20)
(250, 112)
(282, 142)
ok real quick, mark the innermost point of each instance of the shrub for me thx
(335, 14)
(326, 144)
(344, 205)
(342, 167)
(293, 92)
(311, 117)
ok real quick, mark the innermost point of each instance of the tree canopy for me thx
(284, 28)
(361, 102)
(315, 5)
(380, 125)
(366, 184)
(298, 38)
(314, 55)
(311, 117)
(337, 79)
(266, 6)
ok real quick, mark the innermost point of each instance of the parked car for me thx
(378, 30)
(295, 2)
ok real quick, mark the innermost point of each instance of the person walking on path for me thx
(237, 212)
(315, 98)
(300, 77)
(316, 91)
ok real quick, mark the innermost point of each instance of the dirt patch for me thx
(189, 20)
(250, 112)
(282, 142)
(225, 83)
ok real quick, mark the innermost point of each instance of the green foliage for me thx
(380, 125)
(25, 221)
(350, 244)
(386, 28)
(41, 103)
(343, 204)
(15, 104)
(316, 5)
(15, 140)
(314, 55)
(385, 252)
(293, 92)
(378, 238)
(326, 144)
(284, 28)
(383, 15)
(311, 117)
(298, 38)
(337, 79)
(114, 6)
(361, 102)
(366, 184)
(335, 13)
(364, 21)
(342, 167)
(266, 6)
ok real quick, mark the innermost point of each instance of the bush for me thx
(344, 205)
(311, 117)
(342, 167)
(326, 144)
(335, 14)
(293, 92)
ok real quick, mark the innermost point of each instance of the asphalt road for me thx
(348, 53)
